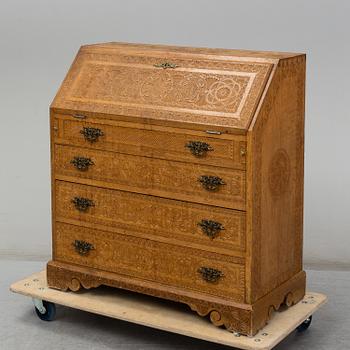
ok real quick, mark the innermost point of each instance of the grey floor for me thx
(21, 329)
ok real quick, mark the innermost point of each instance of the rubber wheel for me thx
(305, 325)
(50, 313)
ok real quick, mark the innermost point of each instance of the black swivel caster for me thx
(305, 325)
(45, 310)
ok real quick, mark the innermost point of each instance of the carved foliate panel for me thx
(154, 217)
(220, 92)
(155, 261)
(155, 176)
(156, 142)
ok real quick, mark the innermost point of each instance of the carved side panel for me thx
(275, 180)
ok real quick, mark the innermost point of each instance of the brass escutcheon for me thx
(82, 163)
(209, 274)
(166, 65)
(210, 228)
(82, 204)
(198, 148)
(211, 183)
(91, 134)
(82, 247)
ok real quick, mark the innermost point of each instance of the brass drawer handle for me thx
(211, 183)
(91, 134)
(199, 148)
(211, 228)
(82, 247)
(209, 274)
(166, 65)
(82, 204)
(82, 163)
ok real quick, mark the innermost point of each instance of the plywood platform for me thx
(176, 318)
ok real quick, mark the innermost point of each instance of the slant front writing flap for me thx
(199, 89)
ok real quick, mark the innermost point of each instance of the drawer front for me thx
(153, 176)
(164, 143)
(200, 226)
(145, 259)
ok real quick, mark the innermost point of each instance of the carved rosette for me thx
(279, 173)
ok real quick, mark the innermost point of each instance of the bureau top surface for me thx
(214, 87)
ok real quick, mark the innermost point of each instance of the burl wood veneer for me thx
(178, 172)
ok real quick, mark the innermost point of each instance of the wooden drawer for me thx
(157, 177)
(150, 260)
(153, 217)
(152, 141)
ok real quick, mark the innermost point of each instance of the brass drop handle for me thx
(91, 134)
(211, 183)
(166, 65)
(82, 204)
(210, 228)
(82, 163)
(198, 148)
(209, 274)
(82, 247)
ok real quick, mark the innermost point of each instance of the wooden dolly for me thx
(160, 314)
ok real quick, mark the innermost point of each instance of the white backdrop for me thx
(38, 41)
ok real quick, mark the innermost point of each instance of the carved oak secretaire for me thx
(178, 172)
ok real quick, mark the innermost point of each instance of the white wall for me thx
(38, 41)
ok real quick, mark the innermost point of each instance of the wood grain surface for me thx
(147, 207)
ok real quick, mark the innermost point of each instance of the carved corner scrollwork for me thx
(286, 300)
(247, 320)
(72, 282)
(76, 284)
(233, 319)
(215, 318)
